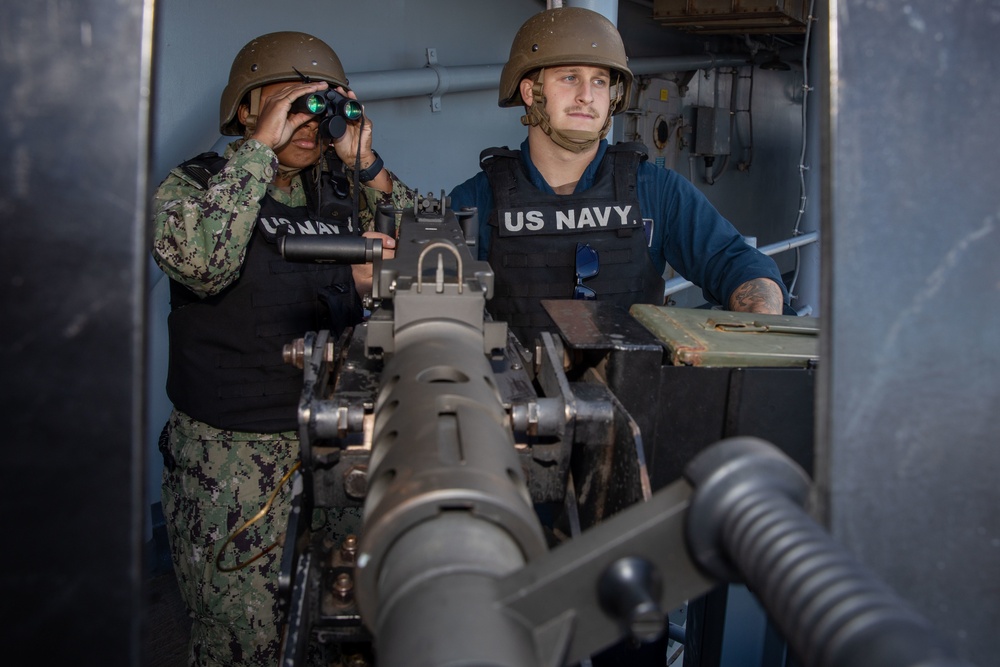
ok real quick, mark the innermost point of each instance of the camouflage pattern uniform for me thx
(215, 480)
(200, 236)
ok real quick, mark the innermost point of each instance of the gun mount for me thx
(455, 439)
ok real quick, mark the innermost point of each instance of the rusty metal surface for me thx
(697, 337)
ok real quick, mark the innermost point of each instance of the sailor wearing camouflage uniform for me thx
(231, 439)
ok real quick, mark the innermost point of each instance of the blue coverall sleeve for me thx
(695, 240)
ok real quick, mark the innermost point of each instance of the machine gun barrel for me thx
(447, 510)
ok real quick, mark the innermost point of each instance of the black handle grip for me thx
(330, 249)
(746, 519)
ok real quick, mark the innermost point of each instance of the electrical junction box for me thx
(711, 131)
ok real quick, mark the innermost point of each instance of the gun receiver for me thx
(449, 434)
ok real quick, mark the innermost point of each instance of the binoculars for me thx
(335, 109)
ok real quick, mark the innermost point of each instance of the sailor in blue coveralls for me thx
(567, 197)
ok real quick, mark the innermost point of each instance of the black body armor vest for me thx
(226, 366)
(534, 237)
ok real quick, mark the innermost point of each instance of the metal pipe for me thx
(439, 79)
(677, 284)
(789, 244)
(429, 80)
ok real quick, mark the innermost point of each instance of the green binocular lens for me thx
(352, 109)
(330, 103)
(314, 103)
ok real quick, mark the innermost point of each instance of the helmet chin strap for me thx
(250, 124)
(576, 141)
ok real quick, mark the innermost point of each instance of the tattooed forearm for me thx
(760, 295)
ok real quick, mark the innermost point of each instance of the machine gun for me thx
(455, 439)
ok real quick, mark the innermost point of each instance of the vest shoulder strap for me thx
(626, 157)
(501, 151)
(203, 167)
(630, 146)
(502, 173)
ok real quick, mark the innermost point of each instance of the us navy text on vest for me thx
(566, 219)
(271, 226)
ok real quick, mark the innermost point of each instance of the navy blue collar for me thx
(586, 180)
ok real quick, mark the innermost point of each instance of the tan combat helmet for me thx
(277, 56)
(565, 36)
